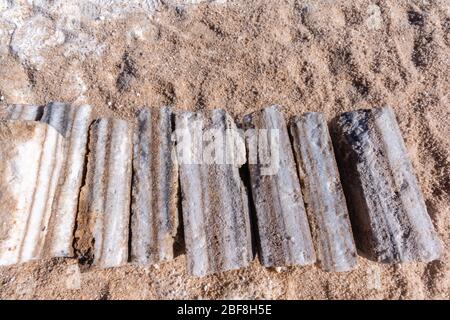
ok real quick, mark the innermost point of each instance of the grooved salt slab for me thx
(388, 213)
(21, 112)
(73, 123)
(214, 200)
(154, 219)
(31, 156)
(284, 235)
(322, 192)
(104, 212)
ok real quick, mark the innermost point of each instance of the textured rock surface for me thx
(103, 217)
(328, 62)
(214, 200)
(154, 220)
(388, 213)
(73, 124)
(31, 156)
(21, 112)
(284, 235)
(322, 193)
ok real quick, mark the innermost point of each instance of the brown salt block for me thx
(322, 193)
(214, 199)
(31, 157)
(154, 213)
(21, 112)
(73, 123)
(284, 234)
(102, 231)
(389, 217)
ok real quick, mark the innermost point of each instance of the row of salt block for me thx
(388, 214)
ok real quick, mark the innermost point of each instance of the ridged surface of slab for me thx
(154, 220)
(388, 213)
(284, 235)
(104, 212)
(31, 156)
(322, 193)
(214, 200)
(73, 123)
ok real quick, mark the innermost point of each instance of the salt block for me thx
(154, 219)
(322, 193)
(73, 123)
(31, 157)
(104, 211)
(284, 234)
(387, 209)
(214, 200)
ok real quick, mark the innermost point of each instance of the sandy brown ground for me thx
(328, 56)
